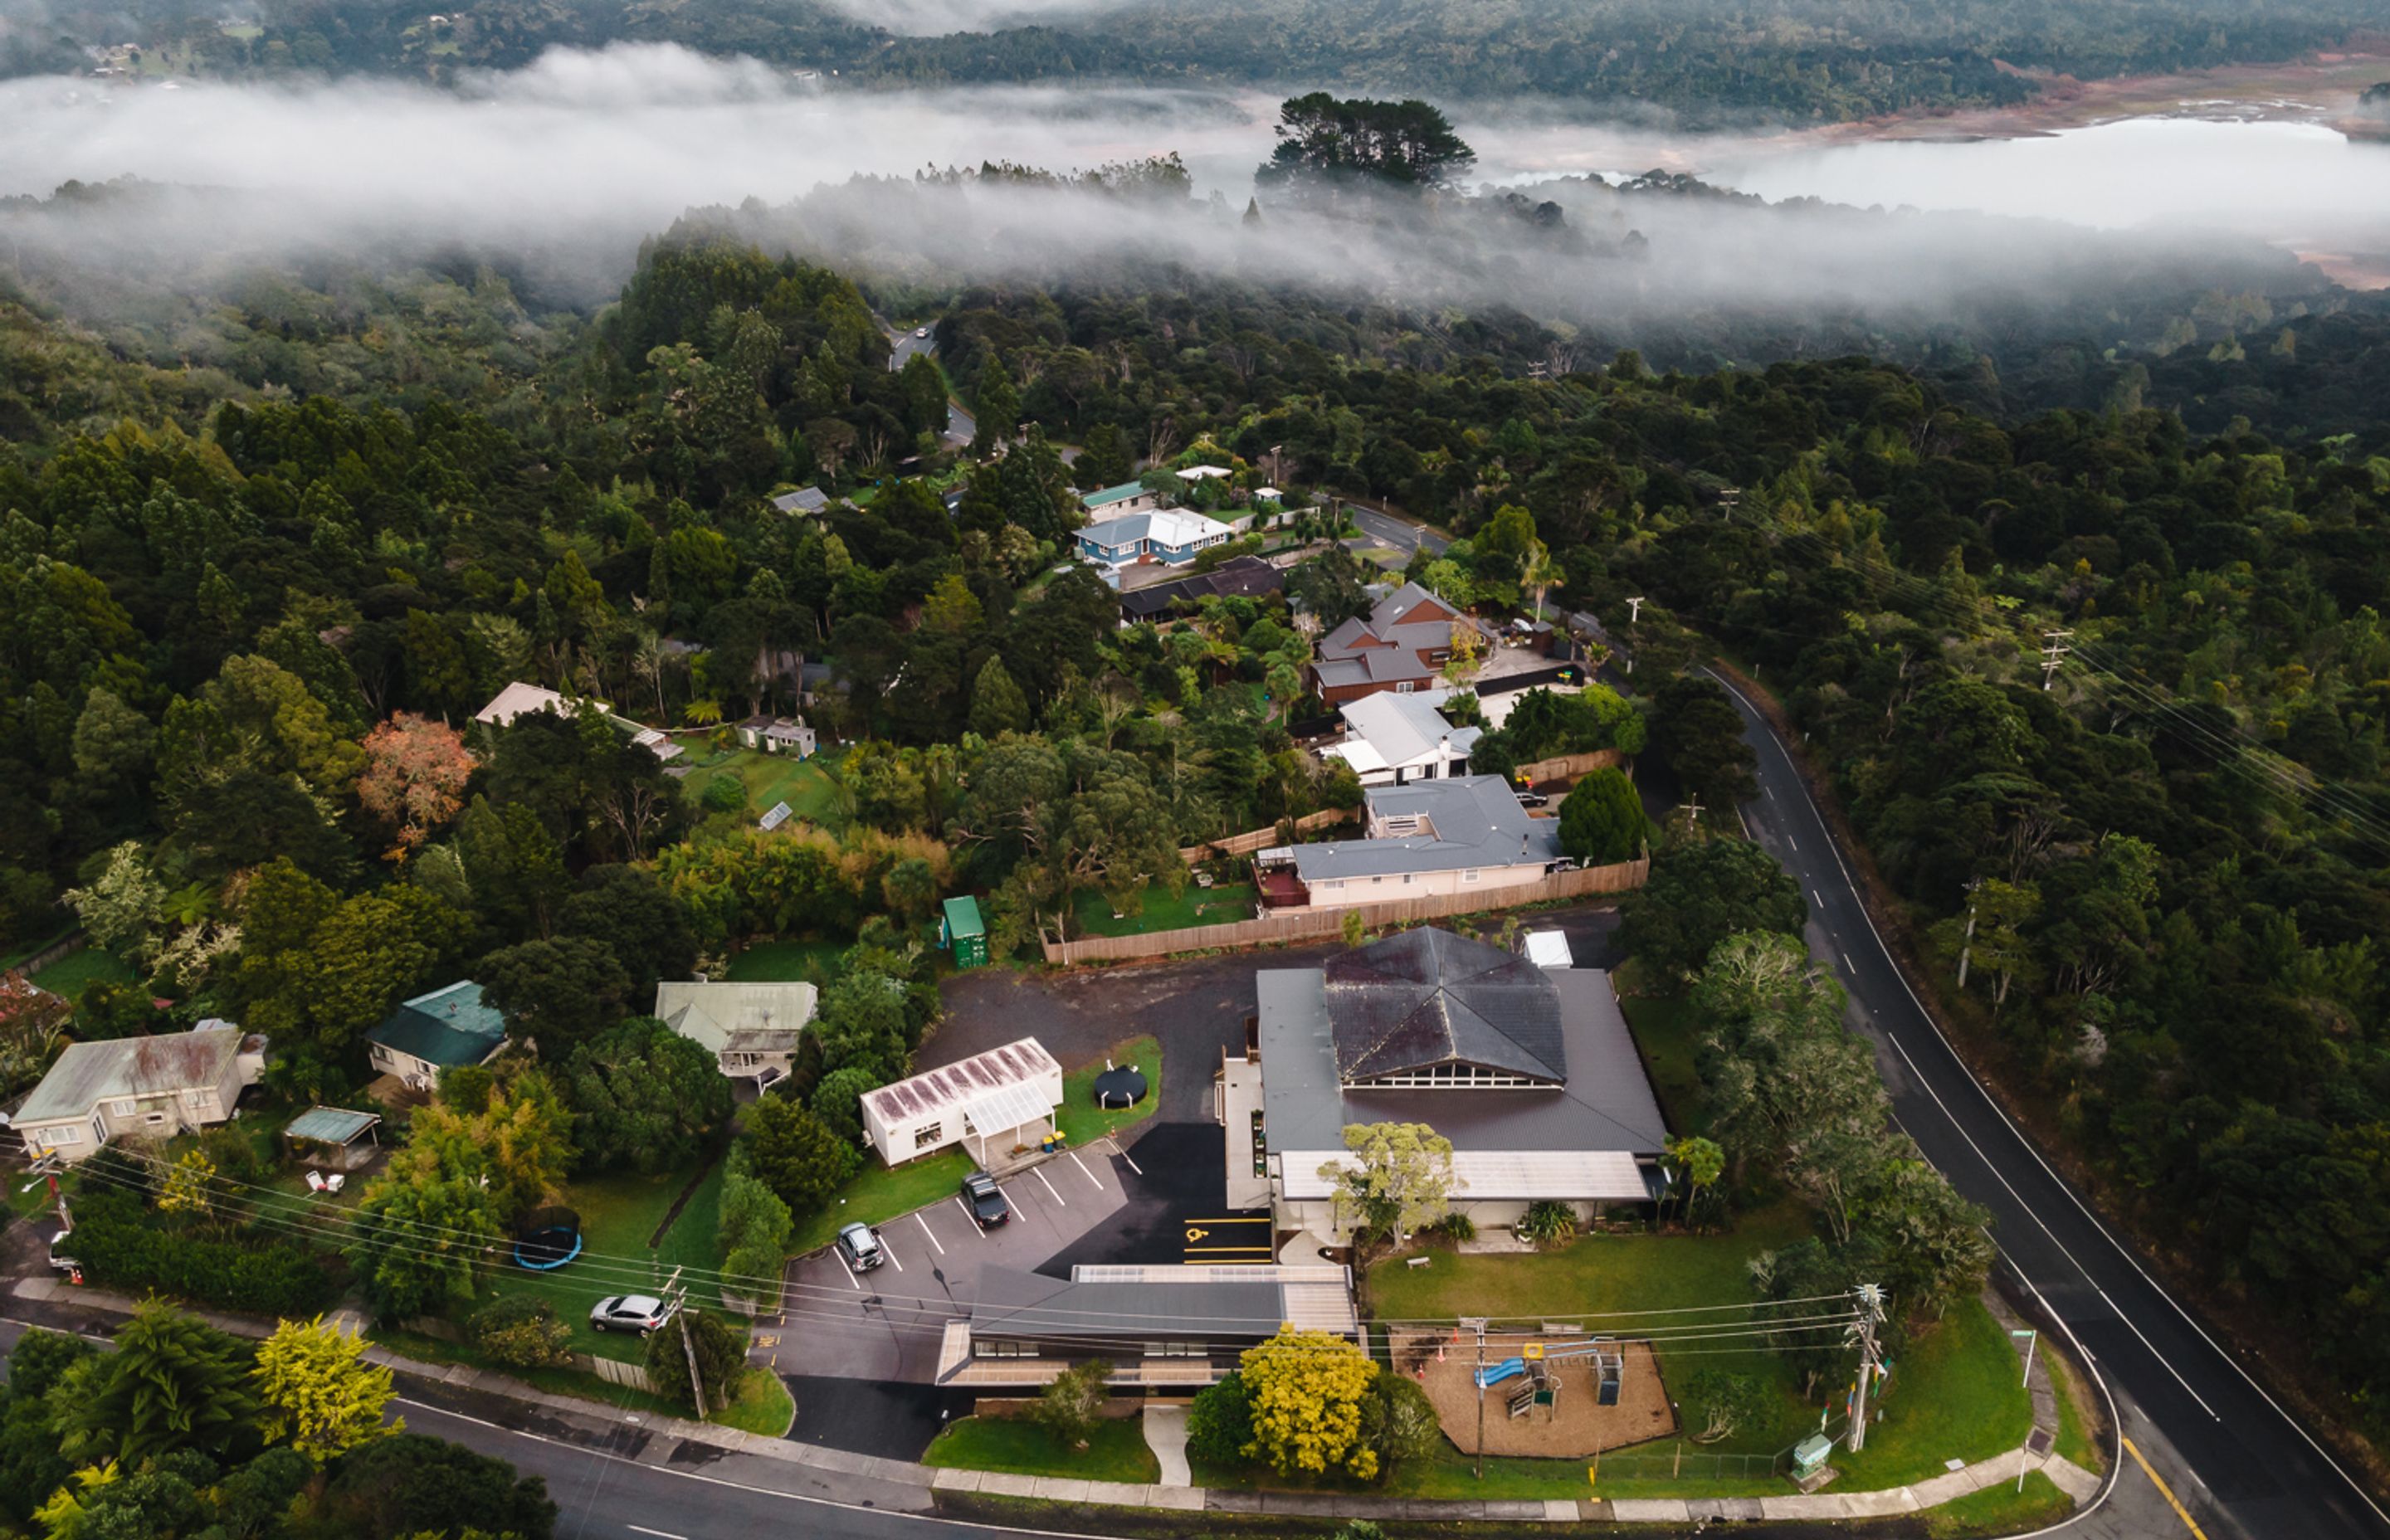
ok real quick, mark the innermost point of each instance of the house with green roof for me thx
(1115, 502)
(440, 1031)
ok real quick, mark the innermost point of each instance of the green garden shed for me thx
(963, 932)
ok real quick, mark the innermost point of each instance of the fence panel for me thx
(632, 1376)
(1263, 838)
(1313, 923)
(1569, 766)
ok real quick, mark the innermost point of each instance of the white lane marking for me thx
(1085, 1172)
(850, 1280)
(1847, 968)
(1791, 841)
(2028, 1146)
(1816, 899)
(890, 1252)
(1009, 1529)
(967, 1215)
(1048, 1186)
(927, 1231)
(1123, 1155)
(659, 1533)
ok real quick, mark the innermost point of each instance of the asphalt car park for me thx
(886, 1323)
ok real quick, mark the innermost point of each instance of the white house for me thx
(1467, 835)
(1392, 738)
(749, 1028)
(446, 1029)
(991, 1104)
(158, 1087)
(1529, 1071)
(518, 698)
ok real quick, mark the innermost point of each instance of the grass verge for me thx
(882, 1193)
(2076, 1441)
(93, 964)
(1670, 1042)
(786, 962)
(1115, 1452)
(2000, 1509)
(1222, 905)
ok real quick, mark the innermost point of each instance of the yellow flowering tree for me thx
(317, 1393)
(1306, 1390)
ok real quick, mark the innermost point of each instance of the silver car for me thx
(639, 1313)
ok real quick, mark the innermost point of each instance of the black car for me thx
(1529, 797)
(985, 1201)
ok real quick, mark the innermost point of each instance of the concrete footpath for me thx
(773, 1464)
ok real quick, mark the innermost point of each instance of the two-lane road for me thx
(2254, 1470)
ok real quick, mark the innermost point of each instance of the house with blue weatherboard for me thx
(1170, 536)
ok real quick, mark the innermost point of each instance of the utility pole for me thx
(1968, 950)
(2053, 651)
(48, 1167)
(1871, 1316)
(1481, 1400)
(1633, 614)
(677, 1299)
(1693, 810)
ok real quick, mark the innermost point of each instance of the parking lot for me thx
(886, 1324)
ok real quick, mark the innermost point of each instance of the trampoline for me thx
(547, 1239)
(1124, 1086)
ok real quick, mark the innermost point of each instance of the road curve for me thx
(2256, 1470)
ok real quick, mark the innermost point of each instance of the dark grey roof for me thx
(1006, 1303)
(1424, 997)
(1377, 665)
(1607, 1103)
(1248, 575)
(802, 500)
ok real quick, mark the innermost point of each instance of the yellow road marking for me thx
(2165, 1491)
(1262, 1252)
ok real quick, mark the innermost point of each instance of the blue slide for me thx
(1493, 1374)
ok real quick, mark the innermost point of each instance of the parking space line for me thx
(1048, 1186)
(890, 1252)
(927, 1231)
(1123, 1155)
(967, 1215)
(1085, 1172)
(851, 1282)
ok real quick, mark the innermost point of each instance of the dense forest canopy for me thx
(1721, 60)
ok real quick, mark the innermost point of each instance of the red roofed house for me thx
(991, 1103)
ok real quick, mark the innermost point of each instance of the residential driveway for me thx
(886, 1325)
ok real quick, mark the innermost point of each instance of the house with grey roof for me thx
(1167, 536)
(1467, 835)
(752, 1029)
(1162, 1326)
(445, 1029)
(1530, 1072)
(1392, 738)
(802, 500)
(159, 1087)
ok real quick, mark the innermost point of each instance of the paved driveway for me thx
(886, 1323)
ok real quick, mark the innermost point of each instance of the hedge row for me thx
(120, 1245)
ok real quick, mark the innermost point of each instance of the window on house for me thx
(1174, 1350)
(981, 1348)
(929, 1133)
(1409, 878)
(1405, 687)
(1469, 874)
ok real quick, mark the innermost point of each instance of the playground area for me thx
(1545, 1395)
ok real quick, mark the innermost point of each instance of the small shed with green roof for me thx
(333, 1138)
(963, 932)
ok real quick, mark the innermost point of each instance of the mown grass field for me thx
(1116, 1450)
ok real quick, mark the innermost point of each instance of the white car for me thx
(60, 1260)
(639, 1313)
(922, 332)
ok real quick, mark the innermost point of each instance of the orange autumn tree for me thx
(414, 779)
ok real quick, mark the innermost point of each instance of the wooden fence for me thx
(1313, 924)
(1263, 838)
(634, 1376)
(1568, 767)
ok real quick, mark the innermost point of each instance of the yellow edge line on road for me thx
(2165, 1491)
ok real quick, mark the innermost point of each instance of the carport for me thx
(1006, 1110)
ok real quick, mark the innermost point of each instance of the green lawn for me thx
(780, 961)
(15, 958)
(1082, 1120)
(1670, 1039)
(1954, 1393)
(93, 964)
(617, 1214)
(762, 1405)
(882, 1193)
(1218, 905)
(1116, 1450)
(2000, 1509)
(805, 785)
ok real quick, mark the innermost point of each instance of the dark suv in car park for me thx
(985, 1201)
